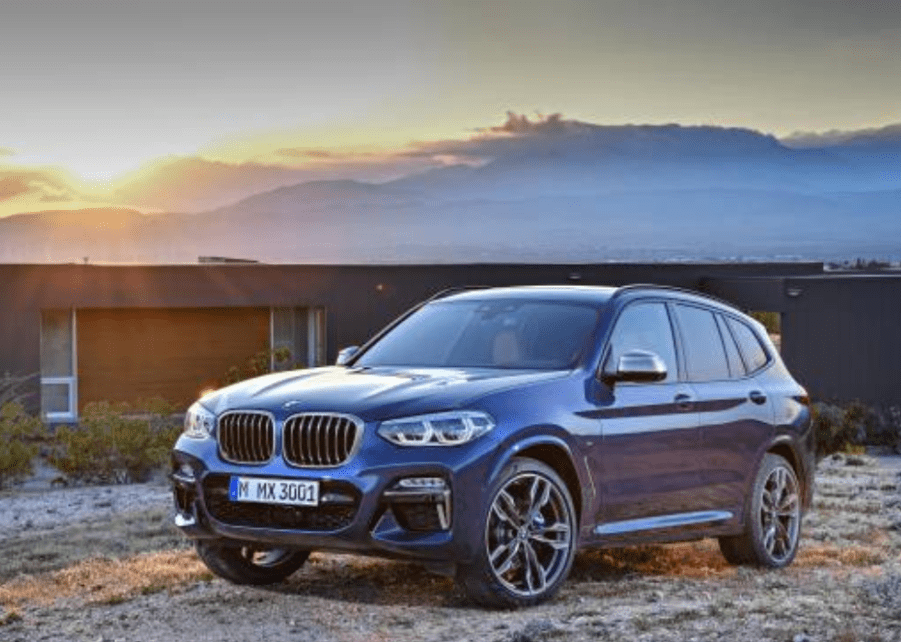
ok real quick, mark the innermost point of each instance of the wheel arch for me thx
(555, 453)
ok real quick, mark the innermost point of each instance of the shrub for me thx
(14, 388)
(116, 444)
(840, 428)
(258, 364)
(19, 434)
(770, 320)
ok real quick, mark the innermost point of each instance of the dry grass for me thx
(820, 555)
(691, 560)
(120, 536)
(848, 566)
(113, 581)
(106, 581)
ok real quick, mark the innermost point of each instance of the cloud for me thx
(519, 124)
(313, 153)
(521, 137)
(7, 151)
(12, 186)
(46, 185)
(304, 152)
(26, 189)
(845, 138)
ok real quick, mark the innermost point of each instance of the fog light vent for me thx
(421, 503)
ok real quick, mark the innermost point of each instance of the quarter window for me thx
(705, 357)
(644, 326)
(736, 366)
(751, 350)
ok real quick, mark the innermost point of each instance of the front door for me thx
(650, 432)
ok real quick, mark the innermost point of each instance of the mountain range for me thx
(554, 190)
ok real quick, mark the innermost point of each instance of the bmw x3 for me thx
(489, 434)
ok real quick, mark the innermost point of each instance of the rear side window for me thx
(645, 326)
(752, 351)
(736, 365)
(705, 357)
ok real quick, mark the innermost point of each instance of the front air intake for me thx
(246, 437)
(315, 440)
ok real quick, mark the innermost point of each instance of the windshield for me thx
(511, 334)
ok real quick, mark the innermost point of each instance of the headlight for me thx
(440, 429)
(199, 422)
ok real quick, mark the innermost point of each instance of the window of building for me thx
(59, 398)
(298, 338)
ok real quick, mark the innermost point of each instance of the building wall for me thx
(358, 300)
(129, 354)
(841, 334)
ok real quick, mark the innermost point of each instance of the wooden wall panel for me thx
(132, 354)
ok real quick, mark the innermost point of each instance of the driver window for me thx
(644, 326)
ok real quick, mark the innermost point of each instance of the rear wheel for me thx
(250, 564)
(529, 538)
(773, 524)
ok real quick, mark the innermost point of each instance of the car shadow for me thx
(365, 580)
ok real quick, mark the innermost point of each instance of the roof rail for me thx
(671, 288)
(446, 292)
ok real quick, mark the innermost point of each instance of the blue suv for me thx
(491, 433)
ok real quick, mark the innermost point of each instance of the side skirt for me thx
(678, 520)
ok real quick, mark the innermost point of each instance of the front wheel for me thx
(250, 564)
(529, 540)
(773, 524)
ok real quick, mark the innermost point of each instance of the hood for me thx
(370, 393)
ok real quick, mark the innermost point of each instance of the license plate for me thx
(294, 492)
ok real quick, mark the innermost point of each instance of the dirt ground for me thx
(104, 564)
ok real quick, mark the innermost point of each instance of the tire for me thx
(249, 564)
(529, 538)
(773, 521)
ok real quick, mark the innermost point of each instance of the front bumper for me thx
(362, 509)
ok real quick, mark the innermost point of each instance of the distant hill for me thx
(556, 191)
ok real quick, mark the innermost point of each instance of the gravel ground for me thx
(38, 511)
(63, 578)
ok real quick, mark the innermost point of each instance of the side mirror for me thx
(346, 354)
(637, 366)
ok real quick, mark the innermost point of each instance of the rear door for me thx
(734, 413)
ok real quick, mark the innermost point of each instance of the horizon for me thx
(43, 189)
(99, 97)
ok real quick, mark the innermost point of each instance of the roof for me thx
(572, 293)
(596, 295)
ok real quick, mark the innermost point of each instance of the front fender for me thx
(556, 450)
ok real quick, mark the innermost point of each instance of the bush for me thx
(116, 444)
(15, 388)
(259, 364)
(770, 320)
(19, 434)
(839, 428)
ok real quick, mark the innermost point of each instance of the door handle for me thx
(757, 397)
(683, 401)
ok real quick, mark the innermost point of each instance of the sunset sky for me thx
(286, 91)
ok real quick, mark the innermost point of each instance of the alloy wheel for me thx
(780, 514)
(529, 534)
